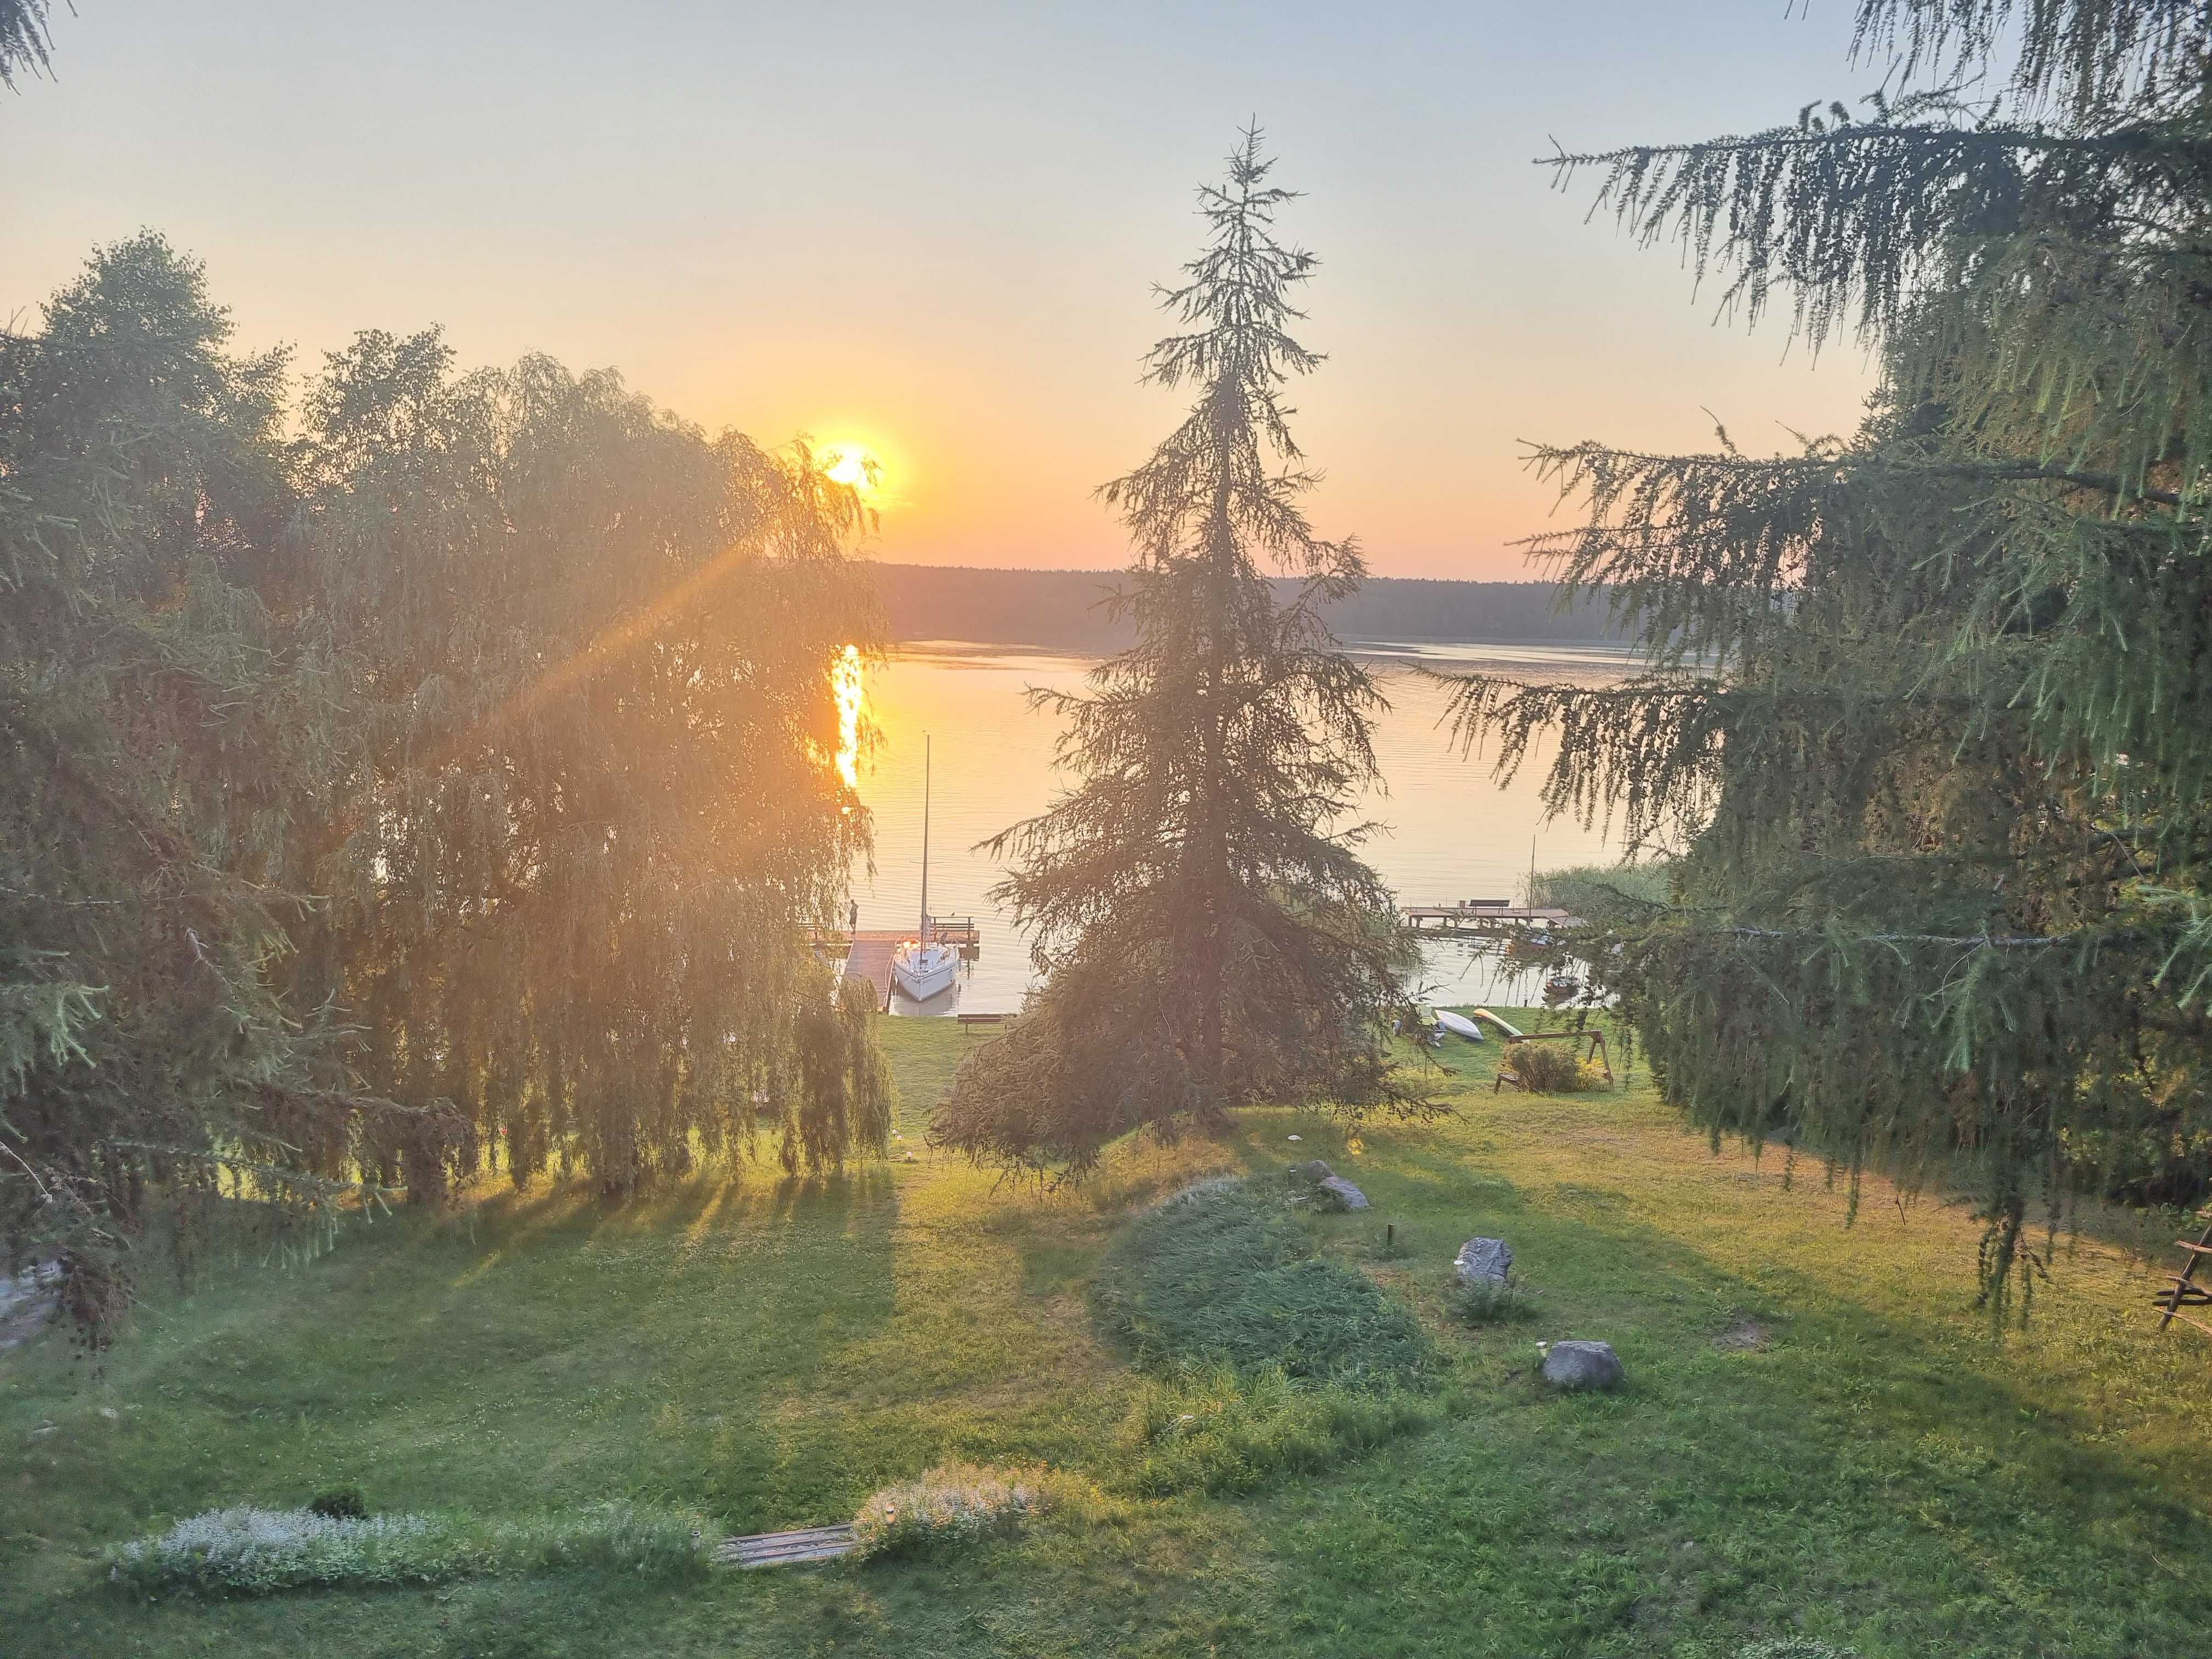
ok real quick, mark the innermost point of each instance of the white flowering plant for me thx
(953, 1505)
(245, 1551)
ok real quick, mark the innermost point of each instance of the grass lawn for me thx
(1820, 1434)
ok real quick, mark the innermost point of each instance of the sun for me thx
(855, 465)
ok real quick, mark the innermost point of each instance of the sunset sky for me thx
(933, 229)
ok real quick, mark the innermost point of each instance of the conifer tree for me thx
(25, 42)
(154, 729)
(1927, 712)
(1208, 934)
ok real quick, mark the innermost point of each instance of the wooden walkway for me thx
(785, 1549)
(870, 958)
(1472, 918)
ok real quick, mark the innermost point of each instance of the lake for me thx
(1450, 830)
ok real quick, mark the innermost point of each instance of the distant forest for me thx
(1061, 609)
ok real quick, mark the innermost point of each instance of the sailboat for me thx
(924, 966)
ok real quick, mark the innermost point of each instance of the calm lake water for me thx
(1450, 830)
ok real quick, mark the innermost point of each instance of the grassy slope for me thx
(768, 1352)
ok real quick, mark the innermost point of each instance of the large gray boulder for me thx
(1583, 1365)
(1352, 1197)
(1484, 1260)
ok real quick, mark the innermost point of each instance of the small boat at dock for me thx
(925, 966)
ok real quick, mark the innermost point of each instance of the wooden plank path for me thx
(870, 958)
(785, 1549)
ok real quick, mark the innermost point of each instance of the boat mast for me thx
(923, 935)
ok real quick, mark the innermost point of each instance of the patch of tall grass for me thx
(1548, 1069)
(245, 1551)
(1488, 1301)
(1223, 1275)
(1214, 1431)
(953, 1505)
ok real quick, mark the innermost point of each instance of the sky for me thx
(934, 230)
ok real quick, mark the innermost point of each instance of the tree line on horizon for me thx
(1070, 609)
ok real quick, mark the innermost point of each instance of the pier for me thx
(867, 950)
(1484, 916)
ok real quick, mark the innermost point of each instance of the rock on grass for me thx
(1583, 1365)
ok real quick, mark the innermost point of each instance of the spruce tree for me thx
(1208, 935)
(155, 730)
(1926, 711)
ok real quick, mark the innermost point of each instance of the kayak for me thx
(1459, 1025)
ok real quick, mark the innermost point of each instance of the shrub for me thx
(953, 1505)
(255, 1552)
(1547, 1068)
(1219, 1275)
(1488, 1301)
(344, 1504)
(1213, 1430)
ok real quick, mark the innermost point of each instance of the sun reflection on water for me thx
(851, 692)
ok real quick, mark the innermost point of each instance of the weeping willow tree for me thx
(1208, 934)
(1927, 712)
(590, 803)
(449, 786)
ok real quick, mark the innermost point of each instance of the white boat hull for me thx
(925, 972)
(1459, 1025)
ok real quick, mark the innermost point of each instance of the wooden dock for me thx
(1485, 917)
(867, 950)
(868, 957)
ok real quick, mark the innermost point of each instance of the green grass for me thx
(1224, 1276)
(1820, 1436)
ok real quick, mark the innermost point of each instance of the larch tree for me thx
(1926, 712)
(1207, 932)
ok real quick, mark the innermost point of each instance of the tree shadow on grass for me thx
(1855, 1463)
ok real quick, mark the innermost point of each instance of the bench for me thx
(970, 1021)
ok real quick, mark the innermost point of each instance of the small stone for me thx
(1583, 1365)
(1352, 1197)
(1294, 1137)
(1312, 1170)
(1484, 1259)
